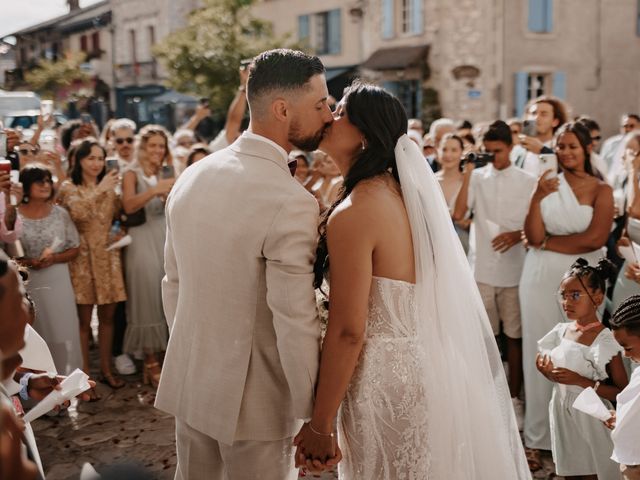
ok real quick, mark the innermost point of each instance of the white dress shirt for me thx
(500, 202)
(626, 445)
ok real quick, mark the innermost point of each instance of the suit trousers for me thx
(201, 457)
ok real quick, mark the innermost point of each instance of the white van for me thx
(17, 101)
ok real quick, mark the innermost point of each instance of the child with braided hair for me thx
(625, 324)
(575, 355)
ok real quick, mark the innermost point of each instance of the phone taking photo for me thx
(530, 128)
(86, 118)
(167, 172)
(549, 161)
(112, 164)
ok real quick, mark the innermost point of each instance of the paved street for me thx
(122, 427)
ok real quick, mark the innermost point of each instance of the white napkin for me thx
(123, 242)
(589, 402)
(631, 253)
(72, 386)
(35, 354)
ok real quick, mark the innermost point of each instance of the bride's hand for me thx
(316, 451)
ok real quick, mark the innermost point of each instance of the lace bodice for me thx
(383, 419)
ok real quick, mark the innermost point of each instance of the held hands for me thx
(611, 423)
(546, 186)
(505, 241)
(316, 451)
(564, 376)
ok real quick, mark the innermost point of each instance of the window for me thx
(132, 40)
(406, 16)
(95, 42)
(540, 16)
(638, 20)
(323, 31)
(529, 85)
(152, 37)
(84, 44)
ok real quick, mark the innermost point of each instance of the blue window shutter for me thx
(560, 85)
(417, 22)
(334, 31)
(638, 19)
(303, 27)
(387, 19)
(537, 15)
(520, 90)
(548, 20)
(391, 87)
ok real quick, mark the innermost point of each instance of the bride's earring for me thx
(363, 145)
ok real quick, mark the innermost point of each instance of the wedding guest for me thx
(439, 128)
(105, 137)
(301, 170)
(576, 355)
(10, 224)
(146, 188)
(235, 114)
(498, 195)
(122, 138)
(570, 216)
(549, 114)
(594, 130)
(628, 123)
(625, 324)
(50, 241)
(325, 179)
(628, 282)
(197, 153)
(96, 274)
(450, 179)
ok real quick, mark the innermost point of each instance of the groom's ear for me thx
(280, 109)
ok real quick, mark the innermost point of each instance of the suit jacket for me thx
(243, 352)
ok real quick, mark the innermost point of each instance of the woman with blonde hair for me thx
(144, 191)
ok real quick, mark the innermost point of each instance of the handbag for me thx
(134, 219)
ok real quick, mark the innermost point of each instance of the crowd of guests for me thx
(540, 204)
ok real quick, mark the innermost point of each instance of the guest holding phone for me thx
(145, 188)
(96, 274)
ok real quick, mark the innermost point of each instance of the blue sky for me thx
(19, 14)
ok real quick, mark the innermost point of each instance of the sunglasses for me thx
(120, 141)
(27, 151)
(596, 138)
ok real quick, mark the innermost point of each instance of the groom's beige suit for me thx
(242, 359)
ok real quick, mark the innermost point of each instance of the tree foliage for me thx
(203, 58)
(53, 79)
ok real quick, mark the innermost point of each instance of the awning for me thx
(396, 58)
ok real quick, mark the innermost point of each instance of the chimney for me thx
(73, 5)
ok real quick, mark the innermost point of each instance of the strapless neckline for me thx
(393, 280)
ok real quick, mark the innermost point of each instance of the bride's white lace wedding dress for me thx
(383, 418)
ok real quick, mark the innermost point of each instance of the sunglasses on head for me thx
(120, 141)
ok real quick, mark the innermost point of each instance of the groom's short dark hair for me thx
(280, 70)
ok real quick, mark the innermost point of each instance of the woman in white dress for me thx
(414, 370)
(570, 216)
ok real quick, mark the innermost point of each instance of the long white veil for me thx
(472, 427)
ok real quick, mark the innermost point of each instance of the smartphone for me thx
(530, 128)
(167, 171)
(48, 143)
(3, 144)
(86, 118)
(112, 164)
(46, 107)
(549, 161)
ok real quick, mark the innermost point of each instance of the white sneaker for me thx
(518, 408)
(124, 365)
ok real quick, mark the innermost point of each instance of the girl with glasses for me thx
(576, 355)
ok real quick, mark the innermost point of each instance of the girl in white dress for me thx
(570, 216)
(625, 324)
(576, 355)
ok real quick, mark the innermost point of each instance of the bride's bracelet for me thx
(319, 433)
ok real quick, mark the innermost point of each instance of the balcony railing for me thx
(136, 73)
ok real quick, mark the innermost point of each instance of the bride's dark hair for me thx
(381, 119)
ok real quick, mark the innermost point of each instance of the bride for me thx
(409, 364)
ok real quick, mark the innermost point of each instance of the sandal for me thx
(533, 459)
(111, 380)
(151, 374)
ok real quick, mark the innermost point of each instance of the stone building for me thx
(477, 59)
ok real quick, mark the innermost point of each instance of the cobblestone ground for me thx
(124, 427)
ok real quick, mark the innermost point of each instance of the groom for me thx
(243, 352)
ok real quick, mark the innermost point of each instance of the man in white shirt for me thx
(498, 195)
(549, 114)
